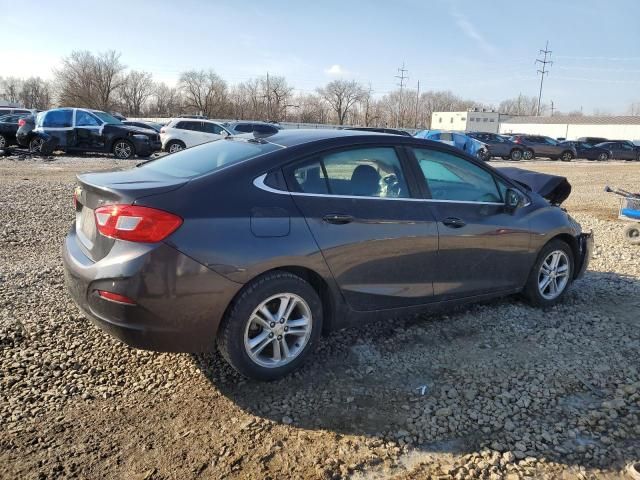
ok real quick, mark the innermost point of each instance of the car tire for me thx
(504, 157)
(528, 155)
(175, 146)
(516, 155)
(632, 233)
(539, 289)
(566, 156)
(4, 143)
(123, 149)
(603, 157)
(247, 322)
(36, 144)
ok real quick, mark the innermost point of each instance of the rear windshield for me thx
(209, 157)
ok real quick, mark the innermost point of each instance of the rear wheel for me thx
(603, 157)
(566, 156)
(516, 155)
(123, 149)
(272, 326)
(551, 275)
(527, 155)
(3, 142)
(35, 145)
(175, 146)
(632, 233)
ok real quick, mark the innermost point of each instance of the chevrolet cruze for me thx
(257, 245)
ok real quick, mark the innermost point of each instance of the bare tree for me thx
(634, 109)
(342, 95)
(88, 80)
(520, 105)
(277, 92)
(10, 89)
(136, 89)
(166, 100)
(35, 93)
(204, 92)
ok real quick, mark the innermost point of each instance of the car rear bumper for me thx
(179, 302)
(585, 246)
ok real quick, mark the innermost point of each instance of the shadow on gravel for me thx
(560, 384)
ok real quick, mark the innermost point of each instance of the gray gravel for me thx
(499, 390)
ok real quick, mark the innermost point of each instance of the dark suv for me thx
(82, 130)
(546, 147)
(503, 147)
(622, 149)
(592, 140)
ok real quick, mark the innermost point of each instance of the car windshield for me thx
(209, 157)
(106, 118)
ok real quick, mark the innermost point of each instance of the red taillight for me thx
(517, 140)
(22, 122)
(115, 297)
(135, 224)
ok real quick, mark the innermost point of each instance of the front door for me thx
(379, 243)
(88, 132)
(482, 247)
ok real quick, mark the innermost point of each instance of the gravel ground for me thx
(498, 390)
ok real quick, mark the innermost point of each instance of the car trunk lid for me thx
(108, 188)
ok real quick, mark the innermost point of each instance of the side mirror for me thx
(512, 199)
(224, 133)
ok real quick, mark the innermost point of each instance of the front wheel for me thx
(123, 149)
(272, 326)
(36, 144)
(175, 146)
(566, 156)
(551, 275)
(527, 155)
(3, 142)
(516, 155)
(632, 233)
(603, 157)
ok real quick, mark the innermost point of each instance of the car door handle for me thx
(338, 218)
(453, 222)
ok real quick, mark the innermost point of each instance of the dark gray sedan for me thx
(258, 245)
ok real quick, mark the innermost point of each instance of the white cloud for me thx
(470, 31)
(335, 70)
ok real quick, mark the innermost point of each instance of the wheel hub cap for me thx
(554, 275)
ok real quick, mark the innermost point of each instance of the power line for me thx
(544, 70)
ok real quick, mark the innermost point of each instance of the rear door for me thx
(482, 248)
(58, 124)
(378, 240)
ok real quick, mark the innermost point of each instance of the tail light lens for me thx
(517, 140)
(21, 122)
(136, 224)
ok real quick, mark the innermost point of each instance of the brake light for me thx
(136, 224)
(115, 297)
(21, 122)
(517, 140)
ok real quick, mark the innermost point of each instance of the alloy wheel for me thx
(603, 157)
(36, 144)
(175, 147)
(516, 155)
(567, 156)
(123, 150)
(278, 330)
(3, 142)
(527, 155)
(553, 276)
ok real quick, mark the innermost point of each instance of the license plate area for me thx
(86, 227)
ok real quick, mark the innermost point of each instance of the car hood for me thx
(554, 188)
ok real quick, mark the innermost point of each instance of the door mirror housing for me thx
(512, 199)
(224, 133)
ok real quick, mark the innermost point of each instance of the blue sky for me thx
(484, 50)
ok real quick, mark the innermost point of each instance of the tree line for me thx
(101, 81)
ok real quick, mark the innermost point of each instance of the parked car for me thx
(139, 123)
(588, 151)
(182, 133)
(622, 149)
(592, 140)
(392, 131)
(258, 245)
(503, 147)
(197, 117)
(23, 111)
(83, 130)
(261, 128)
(8, 129)
(546, 147)
(459, 140)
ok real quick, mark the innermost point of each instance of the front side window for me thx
(57, 119)
(360, 172)
(212, 128)
(85, 119)
(449, 177)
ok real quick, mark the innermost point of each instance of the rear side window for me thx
(208, 158)
(58, 119)
(85, 119)
(212, 128)
(194, 126)
(361, 172)
(450, 177)
(264, 129)
(244, 127)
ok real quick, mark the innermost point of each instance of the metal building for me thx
(471, 121)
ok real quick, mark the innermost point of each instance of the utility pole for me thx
(268, 99)
(551, 107)
(544, 62)
(415, 123)
(402, 78)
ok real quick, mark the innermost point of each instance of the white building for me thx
(571, 128)
(471, 121)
